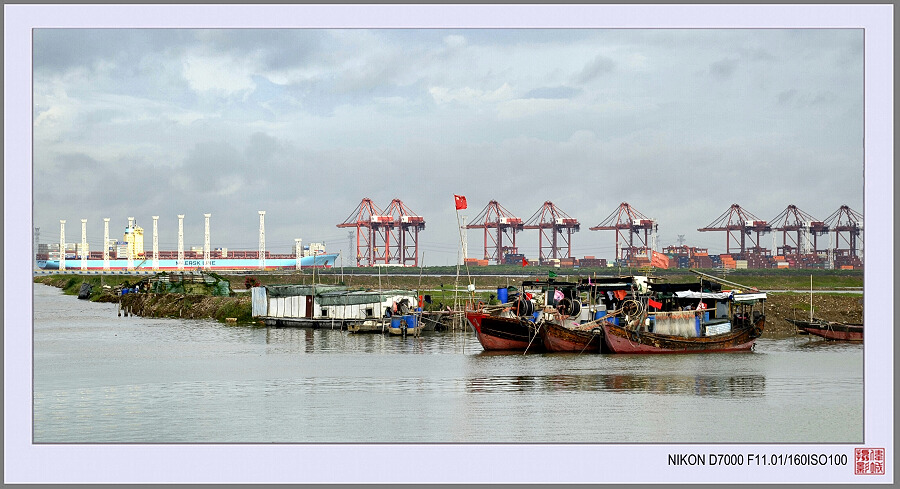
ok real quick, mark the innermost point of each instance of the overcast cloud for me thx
(304, 124)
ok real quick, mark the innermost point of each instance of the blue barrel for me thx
(697, 325)
(410, 321)
(502, 295)
(599, 314)
(615, 321)
(395, 321)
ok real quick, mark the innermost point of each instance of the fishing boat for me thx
(566, 335)
(512, 325)
(687, 318)
(504, 331)
(830, 330)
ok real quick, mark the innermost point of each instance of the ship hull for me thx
(504, 334)
(830, 330)
(621, 340)
(559, 338)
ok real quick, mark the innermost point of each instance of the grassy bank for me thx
(189, 306)
(70, 284)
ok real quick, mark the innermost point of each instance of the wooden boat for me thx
(511, 326)
(621, 339)
(498, 332)
(830, 330)
(564, 335)
(715, 321)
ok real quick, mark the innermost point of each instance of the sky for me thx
(305, 123)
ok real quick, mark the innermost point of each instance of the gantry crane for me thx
(847, 225)
(403, 234)
(497, 222)
(389, 237)
(553, 225)
(628, 223)
(738, 224)
(372, 231)
(799, 232)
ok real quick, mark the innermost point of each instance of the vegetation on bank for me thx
(432, 278)
(171, 305)
(102, 285)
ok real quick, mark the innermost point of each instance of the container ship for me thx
(278, 262)
(312, 256)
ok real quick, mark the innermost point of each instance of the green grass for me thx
(768, 279)
(241, 312)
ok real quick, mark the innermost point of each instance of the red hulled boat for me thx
(497, 332)
(569, 336)
(742, 321)
(624, 340)
(830, 330)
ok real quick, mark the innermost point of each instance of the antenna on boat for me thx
(810, 299)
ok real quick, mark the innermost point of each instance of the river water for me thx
(101, 378)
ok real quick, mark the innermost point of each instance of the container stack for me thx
(590, 261)
(728, 261)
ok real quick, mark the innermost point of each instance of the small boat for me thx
(566, 335)
(404, 325)
(715, 321)
(504, 331)
(830, 330)
(511, 325)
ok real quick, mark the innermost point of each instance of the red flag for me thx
(460, 201)
(653, 303)
(524, 262)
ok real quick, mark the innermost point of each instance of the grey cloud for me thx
(57, 50)
(787, 96)
(723, 68)
(599, 66)
(553, 93)
(278, 48)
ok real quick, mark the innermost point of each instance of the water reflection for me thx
(735, 386)
(307, 340)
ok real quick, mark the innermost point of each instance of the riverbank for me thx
(780, 306)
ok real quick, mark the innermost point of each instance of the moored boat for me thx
(695, 319)
(569, 336)
(504, 332)
(512, 325)
(830, 330)
(633, 340)
(404, 325)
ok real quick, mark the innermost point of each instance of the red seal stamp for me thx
(869, 461)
